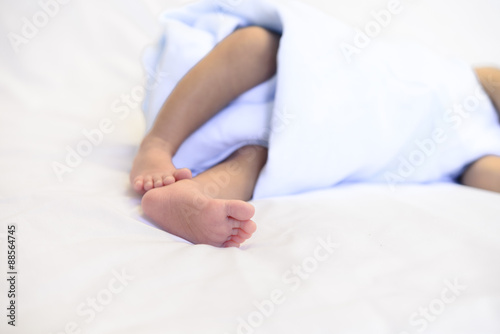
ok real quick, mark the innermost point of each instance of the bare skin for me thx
(485, 172)
(203, 210)
(153, 167)
(243, 60)
(211, 208)
(190, 207)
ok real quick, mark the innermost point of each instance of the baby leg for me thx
(484, 174)
(490, 80)
(210, 208)
(243, 60)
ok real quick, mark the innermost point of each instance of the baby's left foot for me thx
(153, 167)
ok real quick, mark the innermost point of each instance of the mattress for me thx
(357, 258)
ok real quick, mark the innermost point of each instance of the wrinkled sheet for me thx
(352, 259)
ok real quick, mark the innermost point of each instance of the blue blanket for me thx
(335, 112)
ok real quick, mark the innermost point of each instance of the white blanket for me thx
(344, 110)
(396, 250)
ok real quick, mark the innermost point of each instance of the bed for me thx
(357, 258)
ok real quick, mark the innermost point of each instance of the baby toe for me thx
(242, 234)
(230, 243)
(167, 180)
(148, 183)
(138, 183)
(248, 227)
(157, 181)
(237, 239)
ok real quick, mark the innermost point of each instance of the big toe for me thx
(182, 174)
(239, 210)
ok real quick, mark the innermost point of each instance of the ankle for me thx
(153, 141)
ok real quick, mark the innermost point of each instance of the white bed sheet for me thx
(395, 252)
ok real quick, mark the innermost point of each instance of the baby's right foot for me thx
(184, 210)
(153, 167)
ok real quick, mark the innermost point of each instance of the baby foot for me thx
(153, 167)
(183, 210)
